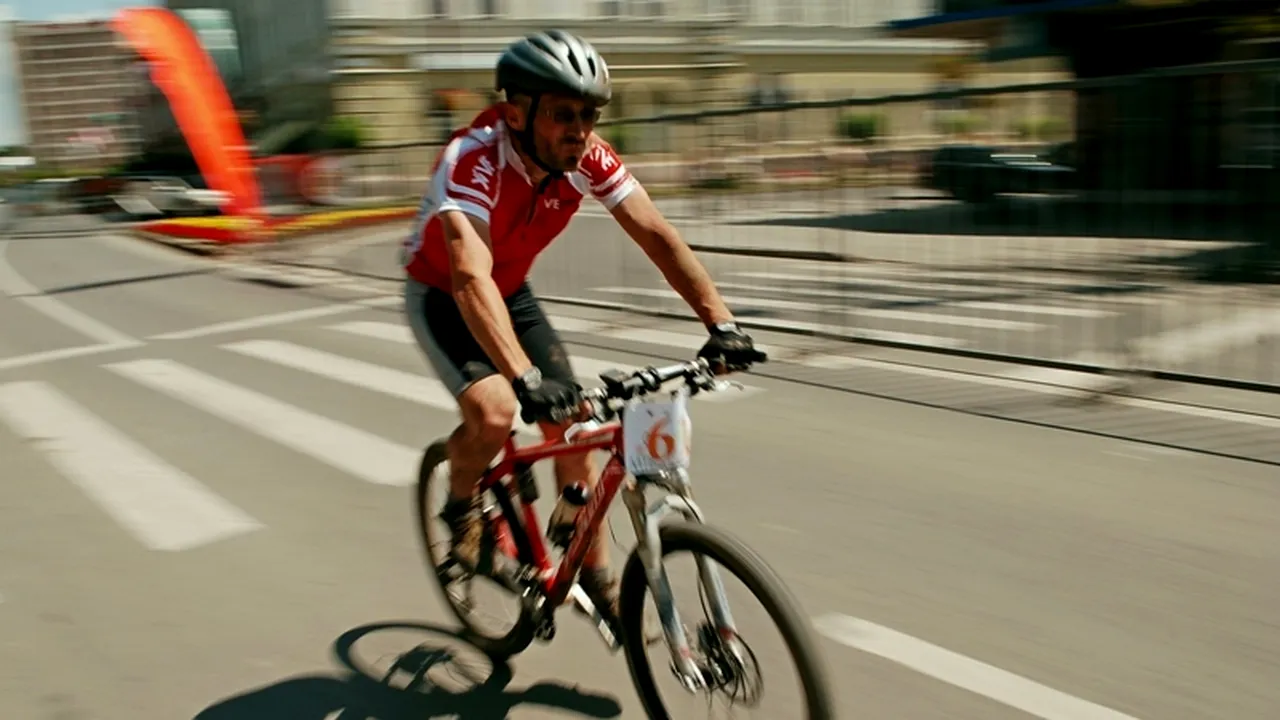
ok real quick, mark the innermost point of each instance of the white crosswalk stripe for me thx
(163, 508)
(352, 450)
(371, 376)
(856, 312)
(1011, 307)
(304, 277)
(999, 310)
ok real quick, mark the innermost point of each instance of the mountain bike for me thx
(648, 440)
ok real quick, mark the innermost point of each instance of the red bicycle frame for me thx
(556, 582)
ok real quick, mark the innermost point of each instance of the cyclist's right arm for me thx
(482, 307)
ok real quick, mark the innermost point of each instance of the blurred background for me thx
(1128, 142)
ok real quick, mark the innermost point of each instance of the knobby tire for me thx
(783, 608)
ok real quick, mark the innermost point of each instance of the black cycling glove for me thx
(546, 399)
(729, 348)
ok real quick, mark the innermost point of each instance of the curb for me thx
(809, 255)
(217, 236)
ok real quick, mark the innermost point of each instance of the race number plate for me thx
(656, 435)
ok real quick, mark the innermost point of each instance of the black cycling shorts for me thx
(455, 355)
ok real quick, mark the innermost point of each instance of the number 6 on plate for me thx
(657, 435)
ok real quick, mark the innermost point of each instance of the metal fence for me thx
(1121, 222)
(1114, 223)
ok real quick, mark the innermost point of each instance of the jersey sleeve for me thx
(609, 179)
(467, 179)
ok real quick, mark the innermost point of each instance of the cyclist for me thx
(501, 191)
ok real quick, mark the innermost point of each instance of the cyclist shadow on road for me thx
(444, 677)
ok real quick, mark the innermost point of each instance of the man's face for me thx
(561, 128)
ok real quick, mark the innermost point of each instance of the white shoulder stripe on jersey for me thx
(616, 176)
(160, 505)
(467, 193)
(470, 208)
(620, 193)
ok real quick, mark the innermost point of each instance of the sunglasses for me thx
(566, 115)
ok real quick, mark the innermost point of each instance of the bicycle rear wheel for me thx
(782, 607)
(499, 511)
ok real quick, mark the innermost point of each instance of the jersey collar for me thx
(509, 156)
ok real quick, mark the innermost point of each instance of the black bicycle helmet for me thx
(552, 61)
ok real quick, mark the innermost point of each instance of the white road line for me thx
(259, 321)
(836, 362)
(385, 380)
(874, 282)
(160, 505)
(1057, 310)
(302, 277)
(1022, 278)
(961, 671)
(858, 333)
(332, 251)
(389, 332)
(857, 312)
(370, 376)
(778, 324)
(385, 301)
(15, 286)
(576, 325)
(1210, 338)
(47, 356)
(360, 453)
(305, 277)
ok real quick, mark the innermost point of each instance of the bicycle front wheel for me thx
(729, 670)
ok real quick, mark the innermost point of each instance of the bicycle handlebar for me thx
(601, 404)
(621, 386)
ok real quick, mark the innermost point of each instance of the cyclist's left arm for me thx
(636, 213)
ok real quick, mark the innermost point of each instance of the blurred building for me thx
(410, 70)
(74, 79)
(1161, 125)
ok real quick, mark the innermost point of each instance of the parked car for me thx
(976, 173)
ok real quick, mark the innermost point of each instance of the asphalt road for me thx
(204, 504)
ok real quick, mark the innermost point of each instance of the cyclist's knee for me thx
(489, 411)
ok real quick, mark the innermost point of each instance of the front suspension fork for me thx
(646, 523)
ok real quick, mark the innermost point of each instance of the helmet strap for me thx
(524, 138)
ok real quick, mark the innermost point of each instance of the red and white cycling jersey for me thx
(480, 174)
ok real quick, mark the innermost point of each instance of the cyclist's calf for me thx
(489, 410)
